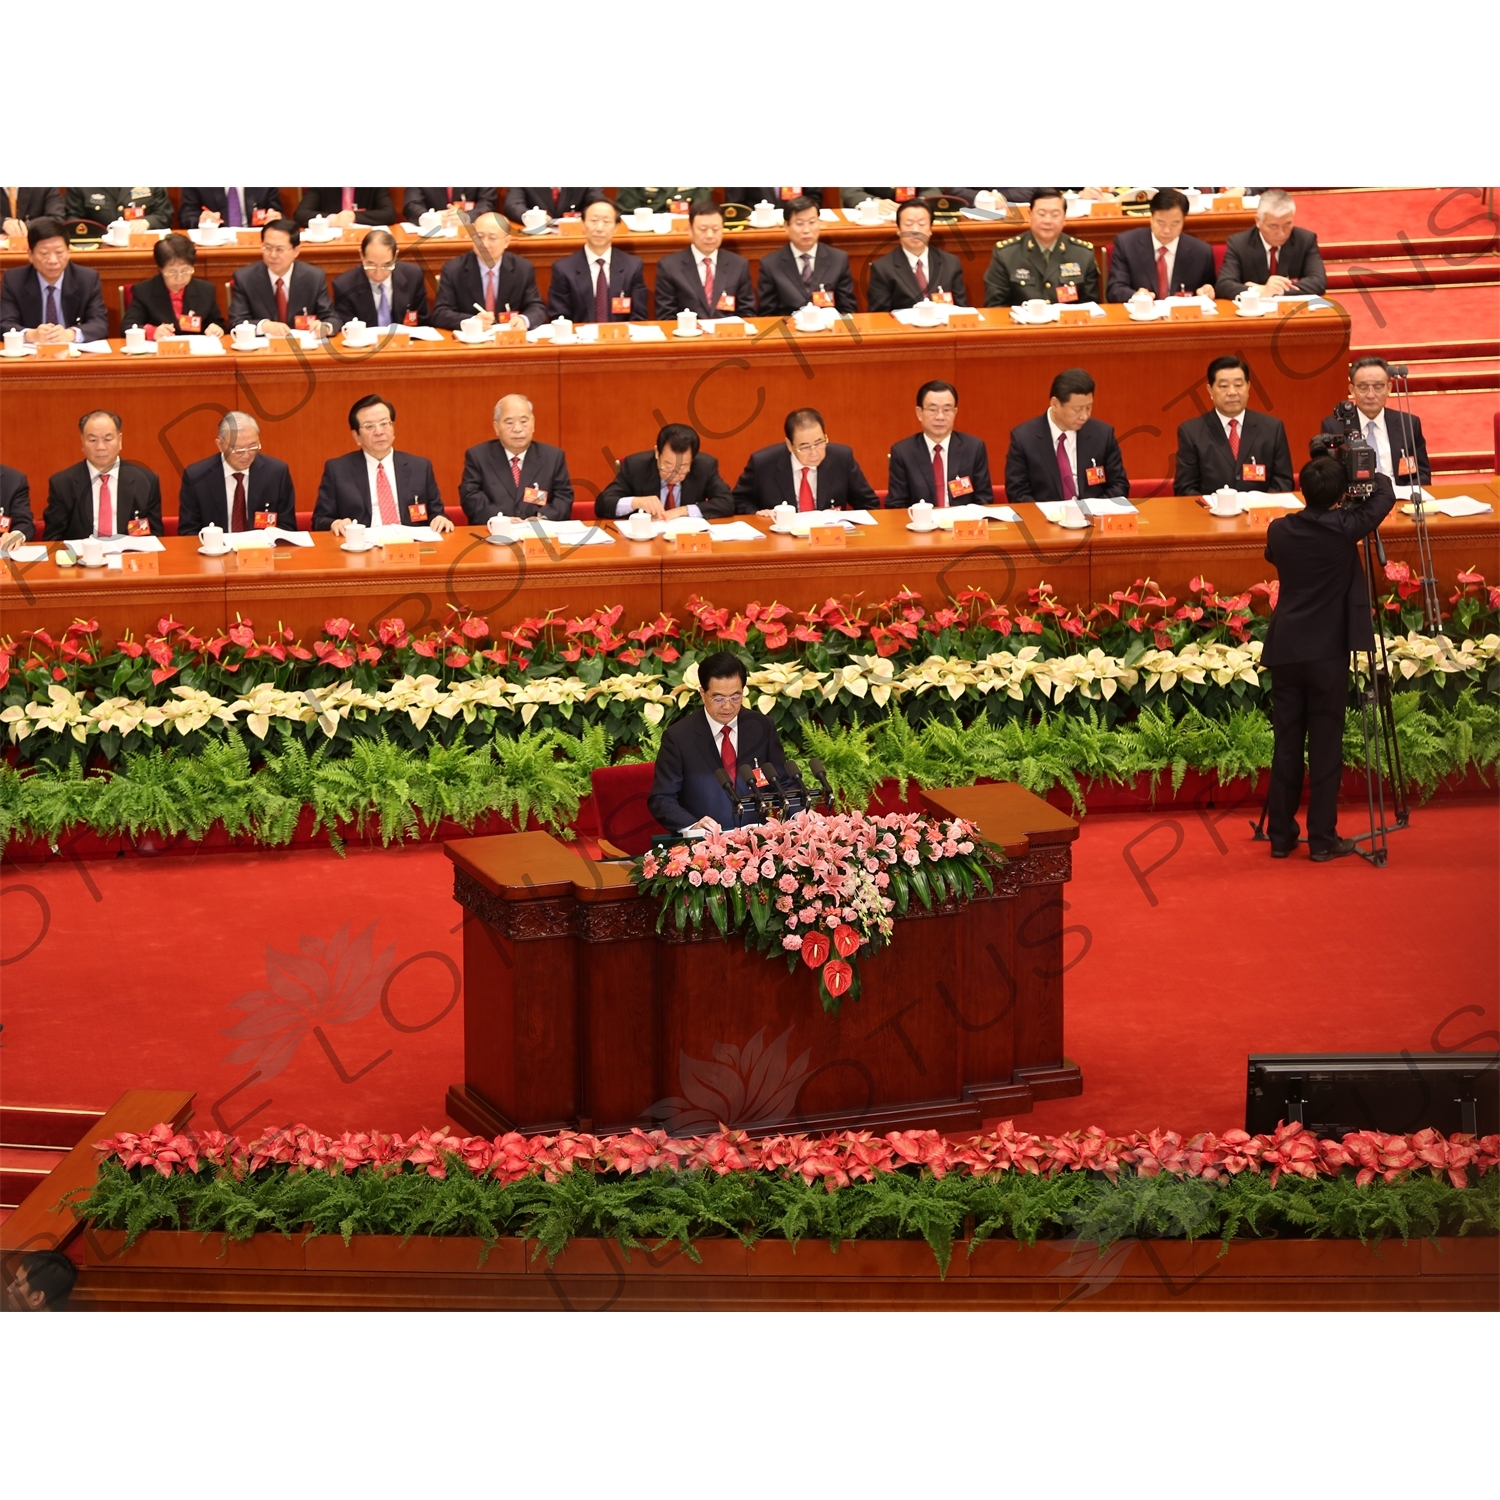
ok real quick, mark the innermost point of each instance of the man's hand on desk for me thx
(208, 219)
(49, 333)
(15, 229)
(653, 507)
(10, 541)
(1277, 286)
(270, 328)
(440, 524)
(1207, 291)
(705, 825)
(342, 219)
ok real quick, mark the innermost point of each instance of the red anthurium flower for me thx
(837, 977)
(82, 627)
(240, 633)
(392, 632)
(456, 659)
(807, 633)
(814, 949)
(131, 649)
(846, 940)
(1398, 571)
(774, 635)
(337, 628)
(1470, 575)
(160, 674)
(943, 618)
(369, 653)
(424, 648)
(498, 657)
(475, 628)
(299, 652)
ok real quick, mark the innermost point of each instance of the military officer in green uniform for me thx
(1044, 263)
(659, 199)
(148, 206)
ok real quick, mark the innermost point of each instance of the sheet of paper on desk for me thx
(1206, 303)
(380, 535)
(1103, 505)
(94, 346)
(419, 333)
(37, 553)
(571, 533)
(908, 315)
(1453, 506)
(646, 333)
(737, 531)
(268, 536)
(849, 517)
(121, 544)
(114, 561)
(828, 215)
(948, 514)
(1254, 500)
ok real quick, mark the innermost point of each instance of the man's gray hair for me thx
(232, 423)
(1273, 203)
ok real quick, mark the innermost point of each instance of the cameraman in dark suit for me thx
(726, 737)
(1322, 614)
(673, 480)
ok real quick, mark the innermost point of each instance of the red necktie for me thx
(556, 201)
(708, 285)
(449, 192)
(726, 754)
(1234, 436)
(280, 299)
(515, 472)
(348, 199)
(1272, 271)
(237, 512)
(491, 276)
(1065, 469)
(384, 496)
(106, 526)
(921, 274)
(601, 292)
(1162, 289)
(805, 499)
(939, 479)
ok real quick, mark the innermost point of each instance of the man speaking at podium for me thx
(725, 739)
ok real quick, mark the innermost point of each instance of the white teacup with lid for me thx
(921, 513)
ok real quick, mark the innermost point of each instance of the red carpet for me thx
(1460, 422)
(1371, 217)
(1430, 319)
(1238, 954)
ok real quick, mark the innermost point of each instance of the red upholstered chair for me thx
(1149, 489)
(1497, 442)
(620, 794)
(1219, 258)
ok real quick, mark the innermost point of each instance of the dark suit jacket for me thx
(34, 203)
(685, 787)
(638, 475)
(1205, 464)
(781, 288)
(678, 288)
(1132, 265)
(70, 501)
(1404, 433)
(354, 298)
(254, 298)
(894, 284)
(344, 490)
(911, 471)
(1031, 471)
(572, 200)
(461, 285)
(82, 300)
(1323, 610)
(420, 199)
(151, 302)
(215, 200)
(102, 205)
(372, 205)
(203, 501)
(767, 481)
(571, 294)
(15, 502)
(487, 488)
(1245, 261)
(750, 196)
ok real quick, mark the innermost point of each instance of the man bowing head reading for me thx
(725, 738)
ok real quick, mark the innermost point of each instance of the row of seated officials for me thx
(53, 299)
(1064, 453)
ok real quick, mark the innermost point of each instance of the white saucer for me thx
(368, 343)
(215, 551)
(348, 547)
(78, 562)
(695, 333)
(1260, 312)
(1150, 317)
(245, 348)
(922, 530)
(19, 353)
(1082, 525)
(474, 338)
(137, 352)
(782, 530)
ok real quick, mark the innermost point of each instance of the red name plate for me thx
(535, 548)
(828, 536)
(256, 560)
(172, 347)
(1119, 525)
(1186, 312)
(971, 528)
(694, 541)
(402, 552)
(140, 562)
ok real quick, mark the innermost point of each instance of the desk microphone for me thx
(822, 778)
(740, 803)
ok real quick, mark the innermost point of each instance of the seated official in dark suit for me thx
(172, 301)
(599, 284)
(345, 206)
(674, 480)
(916, 269)
(104, 495)
(16, 525)
(499, 289)
(889, 198)
(723, 739)
(1064, 454)
(557, 202)
(20, 205)
(1276, 257)
(448, 201)
(239, 488)
(1396, 436)
(55, 301)
(1045, 263)
(937, 464)
(513, 474)
(1232, 445)
(804, 271)
(145, 207)
(705, 278)
(279, 294)
(381, 290)
(777, 197)
(660, 200)
(806, 472)
(236, 207)
(1161, 260)
(377, 484)
(1322, 614)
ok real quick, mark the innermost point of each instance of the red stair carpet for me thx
(1190, 948)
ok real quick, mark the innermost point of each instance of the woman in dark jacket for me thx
(172, 301)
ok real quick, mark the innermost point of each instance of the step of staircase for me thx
(22, 1168)
(33, 1141)
(1374, 276)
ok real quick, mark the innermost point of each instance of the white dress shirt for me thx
(932, 448)
(918, 260)
(812, 479)
(229, 475)
(291, 312)
(1225, 421)
(701, 260)
(372, 466)
(1156, 248)
(1381, 442)
(717, 730)
(114, 496)
(595, 256)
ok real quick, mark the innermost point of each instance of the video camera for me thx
(1352, 451)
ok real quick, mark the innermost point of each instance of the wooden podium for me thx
(577, 1016)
